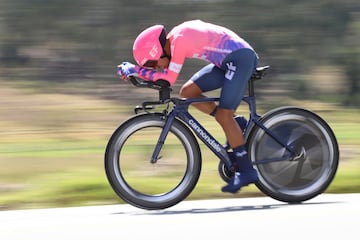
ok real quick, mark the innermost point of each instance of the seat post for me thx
(251, 88)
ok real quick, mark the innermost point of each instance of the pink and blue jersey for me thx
(196, 39)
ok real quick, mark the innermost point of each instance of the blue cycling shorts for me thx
(231, 78)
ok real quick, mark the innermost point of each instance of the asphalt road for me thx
(328, 216)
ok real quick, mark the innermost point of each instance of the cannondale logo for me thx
(207, 138)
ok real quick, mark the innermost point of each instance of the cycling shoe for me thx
(240, 180)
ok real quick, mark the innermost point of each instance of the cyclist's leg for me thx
(239, 67)
(208, 78)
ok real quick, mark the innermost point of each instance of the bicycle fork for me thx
(168, 122)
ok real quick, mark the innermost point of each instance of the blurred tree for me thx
(74, 40)
(351, 60)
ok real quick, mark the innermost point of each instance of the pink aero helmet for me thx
(149, 44)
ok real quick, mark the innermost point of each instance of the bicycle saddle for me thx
(259, 73)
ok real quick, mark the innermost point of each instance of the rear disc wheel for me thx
(315, 166)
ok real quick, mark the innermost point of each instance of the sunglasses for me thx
(154, 63)
(151, 63)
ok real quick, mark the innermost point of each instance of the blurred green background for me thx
(60, 99)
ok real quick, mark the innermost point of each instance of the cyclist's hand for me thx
(126, 70)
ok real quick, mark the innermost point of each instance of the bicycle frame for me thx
(180, 110)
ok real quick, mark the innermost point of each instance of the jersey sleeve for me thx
(152, 75)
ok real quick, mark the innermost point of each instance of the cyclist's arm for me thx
(151, 75)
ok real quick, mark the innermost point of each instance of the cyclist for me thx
(231, 63)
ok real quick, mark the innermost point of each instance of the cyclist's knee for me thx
(190, 90)
(223, 116)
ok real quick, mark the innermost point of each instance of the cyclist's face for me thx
(163, 62)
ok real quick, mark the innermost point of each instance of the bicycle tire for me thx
(148, 185)
(302, 179)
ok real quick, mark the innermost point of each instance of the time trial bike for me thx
(153, 159)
